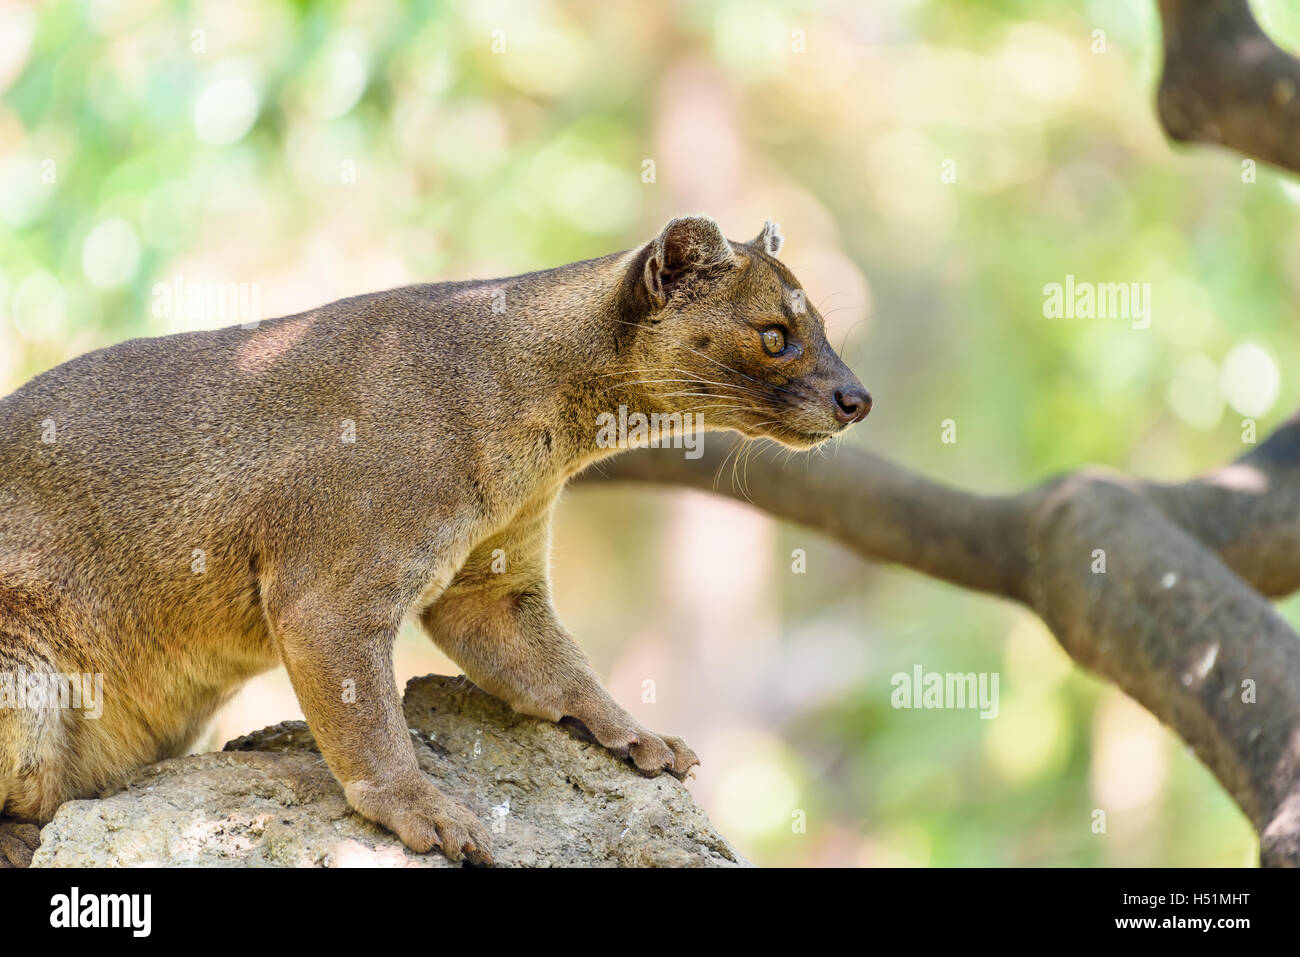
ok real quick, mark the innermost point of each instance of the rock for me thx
(548, 798)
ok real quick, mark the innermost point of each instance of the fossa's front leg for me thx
(330, 645)
(500, 627)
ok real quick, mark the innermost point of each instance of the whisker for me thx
(721, 385)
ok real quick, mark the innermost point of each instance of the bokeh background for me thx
(318, 150)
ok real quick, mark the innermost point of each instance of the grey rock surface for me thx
(548, 798)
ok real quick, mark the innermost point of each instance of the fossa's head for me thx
(730, 334)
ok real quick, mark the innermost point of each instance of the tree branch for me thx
(1226, 82)
(880, 510)
(1175, 620)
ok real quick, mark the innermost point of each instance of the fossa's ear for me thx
(690, 250)
(770, 239)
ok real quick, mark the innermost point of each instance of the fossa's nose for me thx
(852, 404)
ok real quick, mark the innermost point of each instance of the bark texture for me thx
(1226, 82)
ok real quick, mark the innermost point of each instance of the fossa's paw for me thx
(648, 753)
(18, 842)
(614, 728)
(424, 818)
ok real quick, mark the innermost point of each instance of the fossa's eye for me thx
(774, 341)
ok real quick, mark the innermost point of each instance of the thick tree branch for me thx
(882, 511)
(1226, 82)
(1176, 629)
(1248, 513)
(1245, 512)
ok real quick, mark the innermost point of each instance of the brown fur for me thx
(468, 422)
